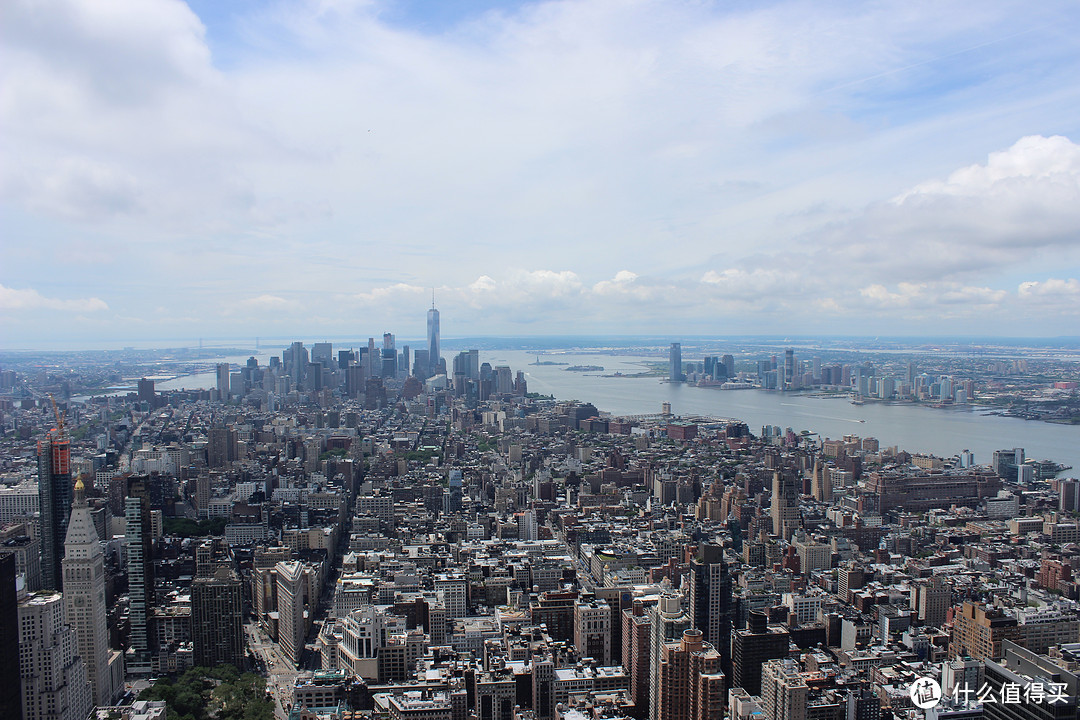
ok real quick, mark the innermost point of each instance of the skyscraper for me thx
(54, 498)
(433, 337)
(290, 606)
(146, 391)
(675, 369)
(691, 685)
(754, 645)
(785, 506)
(389, 356)
(821, 483)
(54, 682)
(223, 381)
(295, 358)
(84, 598)
(668, 623)
(711, 606)
(216, 624)
(637, 633)
(10, 701)
(729, 365)
(140, 563)
(323, 352)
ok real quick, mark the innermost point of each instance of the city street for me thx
(280, 674)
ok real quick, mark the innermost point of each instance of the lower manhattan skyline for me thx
(195, 170)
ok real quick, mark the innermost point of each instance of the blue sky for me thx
(212, 169)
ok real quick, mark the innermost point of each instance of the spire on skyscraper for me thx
(84, 598)
(433, 337)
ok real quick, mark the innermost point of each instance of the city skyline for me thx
(187, 170)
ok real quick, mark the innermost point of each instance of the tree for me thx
(220, 692)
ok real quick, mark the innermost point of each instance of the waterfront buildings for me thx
(675, 365)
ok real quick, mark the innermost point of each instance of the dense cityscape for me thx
(399, 532)
(539, 360)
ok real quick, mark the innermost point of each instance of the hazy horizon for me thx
(559, 342)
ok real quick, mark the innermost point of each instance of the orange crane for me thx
(59, 416)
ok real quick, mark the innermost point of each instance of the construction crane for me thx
(59, 416)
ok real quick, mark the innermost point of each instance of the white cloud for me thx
(265, 302)
(1051, 298)
(757, 284)
(1053, 287)
(981, 218)
(948, 297)
(394, 292)
(740, 158)
(484, 283)
(12, 299)
(1054, 159)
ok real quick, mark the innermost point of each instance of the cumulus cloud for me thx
(484, 283)
(639, 291)
(12, 299)
(114, 110)
(1035, 158)
(1054, 287)
(947, 296)
(1022, 201)
(563, 283)
(1057, 297)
